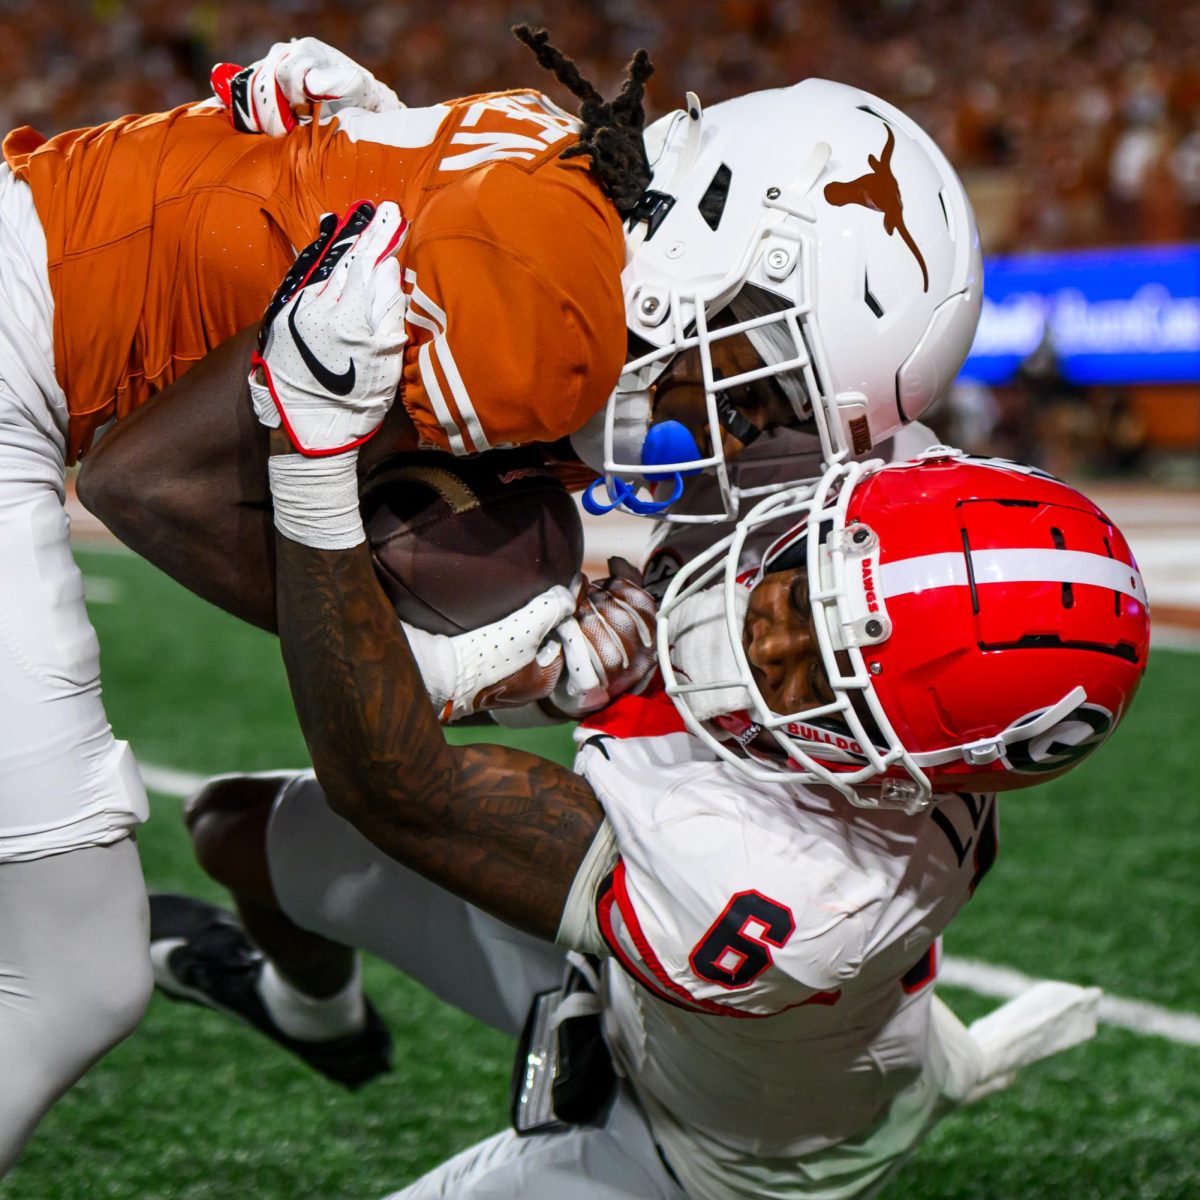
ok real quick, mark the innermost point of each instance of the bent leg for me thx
(74, 975)
(330, 880)
(227, 819)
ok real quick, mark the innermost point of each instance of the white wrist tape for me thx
(316, 500)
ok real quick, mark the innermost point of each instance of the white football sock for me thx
(307, 1018)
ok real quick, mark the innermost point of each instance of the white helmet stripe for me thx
(1011, 566)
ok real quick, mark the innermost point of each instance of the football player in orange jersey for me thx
(127, 252)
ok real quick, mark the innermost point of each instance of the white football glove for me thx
(608, 642)
(329, 352)
(271, 94)
(566, 653)
(607, 647)
(327, 368)
(510, 663)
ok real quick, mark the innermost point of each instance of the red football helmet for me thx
(982, 625)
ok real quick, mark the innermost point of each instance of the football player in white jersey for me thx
(749, 871)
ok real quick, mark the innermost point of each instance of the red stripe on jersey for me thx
(652, 714)
(605, 903)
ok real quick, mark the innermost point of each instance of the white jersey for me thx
(774, 945)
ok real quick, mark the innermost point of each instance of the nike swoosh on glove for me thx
(331, 345)
(270, 94)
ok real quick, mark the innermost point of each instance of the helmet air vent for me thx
(868, 109)
(945, 212)
(872, 303)
(712, 203)
(966, 541)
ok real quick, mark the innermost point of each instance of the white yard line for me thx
(168, 782)
(1002, 983)
(100, 589)
(1174, 637)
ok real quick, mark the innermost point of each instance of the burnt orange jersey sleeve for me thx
(159, 247)
(167, 234)
(515, 317)
(512, 266)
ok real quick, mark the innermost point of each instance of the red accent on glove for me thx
(219, 79)
(285, 109)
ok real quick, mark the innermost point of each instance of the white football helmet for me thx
(844, 246)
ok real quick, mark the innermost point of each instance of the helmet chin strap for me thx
(642, 229)
(732, 421)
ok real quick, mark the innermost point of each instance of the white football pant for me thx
(74, 967)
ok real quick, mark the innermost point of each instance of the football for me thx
(462, 542)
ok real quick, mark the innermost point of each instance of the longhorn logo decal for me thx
(879, 190)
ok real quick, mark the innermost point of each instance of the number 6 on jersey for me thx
(737, 949)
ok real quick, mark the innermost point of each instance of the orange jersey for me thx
(167, 234)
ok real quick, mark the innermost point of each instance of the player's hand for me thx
(331, 346)
(608, 642)
(271, 94)
(508, 664)
(567, 653)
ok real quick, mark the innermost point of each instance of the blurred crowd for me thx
(1043, 418)
(1075, 122)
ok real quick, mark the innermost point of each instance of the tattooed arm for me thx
(503, 829)
(182, 481)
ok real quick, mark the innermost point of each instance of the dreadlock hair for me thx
(612, 131)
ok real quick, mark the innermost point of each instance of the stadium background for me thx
(1076, 126)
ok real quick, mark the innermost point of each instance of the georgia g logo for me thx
(1055, 749)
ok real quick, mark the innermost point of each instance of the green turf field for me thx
(1096, 883)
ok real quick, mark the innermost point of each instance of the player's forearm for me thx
(182, 482)
(504, 829)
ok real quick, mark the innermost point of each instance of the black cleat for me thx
(201, 955)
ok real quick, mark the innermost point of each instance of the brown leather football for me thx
(462, 542)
